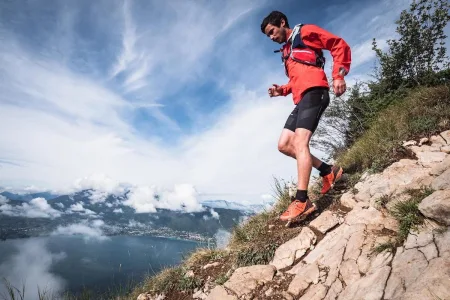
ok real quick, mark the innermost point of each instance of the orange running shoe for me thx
(329, 180)
(297, 208)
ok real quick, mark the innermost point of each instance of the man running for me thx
(303, 59)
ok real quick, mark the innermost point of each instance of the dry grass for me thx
(425, 111)
(408, 215)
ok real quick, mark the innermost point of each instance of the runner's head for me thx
(275, 26)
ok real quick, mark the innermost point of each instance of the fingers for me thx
(340, 89)
(272, 90)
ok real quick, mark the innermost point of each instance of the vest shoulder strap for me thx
(297, 41)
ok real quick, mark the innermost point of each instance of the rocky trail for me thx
(351, 250)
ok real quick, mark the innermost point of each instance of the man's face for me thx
(276, 34)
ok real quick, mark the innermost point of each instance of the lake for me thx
(70, 263)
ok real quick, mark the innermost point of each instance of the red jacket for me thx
(303, 77)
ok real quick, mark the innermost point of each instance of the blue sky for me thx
(158, 93)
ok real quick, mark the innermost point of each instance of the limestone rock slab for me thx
(437, 206)
(293, 249)
(325, 221)
(369, 287)
(244, 280)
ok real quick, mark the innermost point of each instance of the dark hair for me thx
(274, 18)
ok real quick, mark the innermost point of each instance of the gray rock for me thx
(348, 200)
(349, 271)
(334, 290)
(433, 283)
(425, 148)
(406, 268)
(246, 279)
(308, 272)
(298, 285)
(370, 216)
(214, 264)
(409, 143)
(430, 251)
(427, 159)
(437, 140)
(293, 249)
(315, 292)
(423, 141)
(446, 136)
(421, 239)
(440, 168)
(394, 180)
(442, 182)
(445, 149)
(381, 260)
(443, 243)
(329, 252)
(325, 221)
(364, 260)
(354, 245)
(219, 293)
(437, 206)
(369, 287)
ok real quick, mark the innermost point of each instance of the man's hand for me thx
(339, 87)
(275, 90)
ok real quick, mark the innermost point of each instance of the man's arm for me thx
(319, 38)
(286, 88)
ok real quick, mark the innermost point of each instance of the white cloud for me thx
(214, 214)
(79, 208)
(118, 211)
(31, 266)
(36, 208)
(146, 199)
(100, 187)
(59, 204)
(90, 230)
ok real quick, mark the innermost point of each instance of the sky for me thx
(164, 94)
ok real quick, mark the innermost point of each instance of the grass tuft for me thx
(407, 212)
(389, 246)
(383, 200)
(204, 255)
(256, 255)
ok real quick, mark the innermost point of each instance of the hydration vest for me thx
(296, 50)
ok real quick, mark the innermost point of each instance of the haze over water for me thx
(61, 263)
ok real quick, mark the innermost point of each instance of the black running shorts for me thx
(308, 111)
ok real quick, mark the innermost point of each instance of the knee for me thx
(283, 147)
(301, 146)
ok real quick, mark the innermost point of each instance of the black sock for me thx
(324, 169)
(302, 196)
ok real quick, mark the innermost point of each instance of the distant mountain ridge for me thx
(82, 208)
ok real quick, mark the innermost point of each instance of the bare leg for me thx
(286, 145)
(304, 159)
